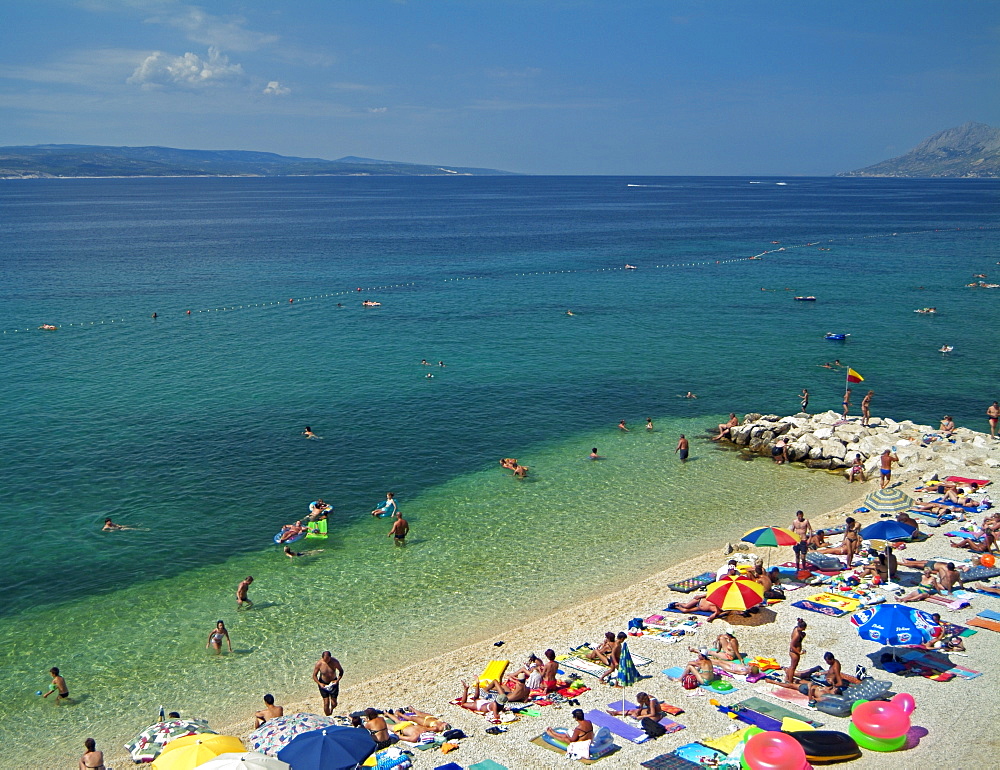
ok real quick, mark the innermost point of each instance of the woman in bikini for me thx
(92, 759)
(216, 636)
(648, 707)
(421, 719)
(378, 729)
(702, 668)
(928, 587)
(852, 540)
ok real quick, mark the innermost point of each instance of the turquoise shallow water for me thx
(188, 426)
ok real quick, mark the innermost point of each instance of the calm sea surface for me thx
(188, 426)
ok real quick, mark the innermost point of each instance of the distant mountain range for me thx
(81, 160)
(969, 151)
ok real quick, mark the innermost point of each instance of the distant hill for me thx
(969, 151)
(80, 160)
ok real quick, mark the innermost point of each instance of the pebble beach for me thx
(943, 709)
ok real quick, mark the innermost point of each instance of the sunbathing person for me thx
(878, 568)
(408, 730)
(489, 706)
(421, 719)
(832, 681)
(985, 546)
(725, 429)
(614, 657)
(584, 730)
(818, 540)
(291, 530)
(907, 520)
(942, 638)
(727, 648)
(378, 729)
(532, 671)
(702, 668)
(517, 692)
(602, 652)
(697, 603)
(928, 587)
(648, 707)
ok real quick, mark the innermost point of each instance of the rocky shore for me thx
(829, 441)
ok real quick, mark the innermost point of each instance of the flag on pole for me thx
(853, 376)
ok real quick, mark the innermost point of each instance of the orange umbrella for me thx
(735, 593)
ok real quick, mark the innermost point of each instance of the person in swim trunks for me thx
(805, 399)
(400, 528)
(866, 406)
(241, 593)
(549, 671)
(887, 458)
(327, 674)
(993, 413)
(847, 402)
(58, 686)
(682, 448)
(802, 527)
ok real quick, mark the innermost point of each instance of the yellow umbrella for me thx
(732, 594)
(192, 750)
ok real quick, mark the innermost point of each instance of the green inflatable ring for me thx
(875, 744)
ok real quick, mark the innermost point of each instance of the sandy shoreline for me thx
(430, 684)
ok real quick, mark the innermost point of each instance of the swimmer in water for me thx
(593, 454)
(621, 427)
(430, 376)
(308, 433)
(649, 423)
(569, 312)
(292, 554)
(110, 526)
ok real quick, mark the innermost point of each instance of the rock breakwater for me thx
(829, 441)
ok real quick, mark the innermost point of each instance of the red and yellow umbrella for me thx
(771, 536)
(738, 594)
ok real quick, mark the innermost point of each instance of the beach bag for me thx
(690, 682)
(652, 728)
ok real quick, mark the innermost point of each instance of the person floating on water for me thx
(287, 550)
(308, 433)
(389, 507)
(290, 531)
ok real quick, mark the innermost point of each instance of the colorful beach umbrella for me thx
(330, 748)
(272, 736)
(245, 760)
(147, 745)
(627, 674)
(887, 529)
(192, 750)
(894, 624)
(889, 500)
(735, 593)
(771, 537)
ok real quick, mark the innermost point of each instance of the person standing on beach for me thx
(327, 674)
(805, 400)
(866, 405)
(549, 672)
(682, 448)
(847, 402)
(795, 649)
(802, 527)
(400, 528)
(241, 593)
(993, 412)
(886, 460)
(58, 686)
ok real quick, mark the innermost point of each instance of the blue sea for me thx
(187, 426)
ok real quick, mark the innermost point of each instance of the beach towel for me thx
(989, 625)
(617, 726)
(688, 585)
(774, 711)
(700, 753)
(726, 743)
(671, 762)
(962, 533)
(822, 609)
(703, 613)
(960, 480)
(787, 695)
(833, 600)
(947, 602)
(988, 614)
(486, 764)
(625, 705)
(939, 663)
(478, 766)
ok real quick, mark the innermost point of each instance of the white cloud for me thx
(274, 88)
(378, 110)
(190, 70)
(230, 32)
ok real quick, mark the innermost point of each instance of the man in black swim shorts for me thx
(327, 674)
(682, 448)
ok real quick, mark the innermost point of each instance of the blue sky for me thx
(547, 87)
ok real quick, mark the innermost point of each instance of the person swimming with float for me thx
(389, 507)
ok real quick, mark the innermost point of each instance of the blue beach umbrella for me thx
(330, 748)
(894, 624)
(887, 529)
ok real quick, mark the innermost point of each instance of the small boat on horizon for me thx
(805, 299)
(835, 336)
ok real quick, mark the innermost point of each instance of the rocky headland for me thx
(828, 441)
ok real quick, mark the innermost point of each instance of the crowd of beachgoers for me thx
(665, 671)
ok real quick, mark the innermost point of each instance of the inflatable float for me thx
(835, 336)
